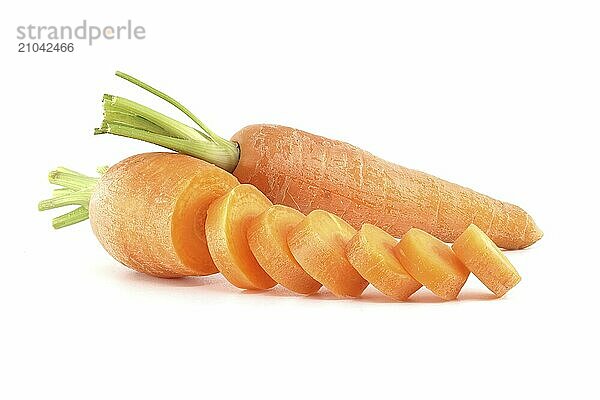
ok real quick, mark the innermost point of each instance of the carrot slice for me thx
(371, 253)
(318, 243)
(431, 262)
(189, 217)
(227, 222)
(267, 237)
(486, 261)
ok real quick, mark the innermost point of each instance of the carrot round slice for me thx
(267, 237)
(486, 261)
(227, 222)
(431, 262)
(319, 245)
(189, 218)
(371, 253)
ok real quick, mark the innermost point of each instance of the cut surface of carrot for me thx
(318, 243)
(189, 219)
(267, 237)
(227, 222)
(432, 263)
(371, 253)
(486, 261)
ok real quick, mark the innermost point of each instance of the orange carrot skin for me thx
(309, 172)
(148, 212)
(318, 243)
(227, 222)
(371, 253)
(267, 237)
(432, 263)
(486, 261)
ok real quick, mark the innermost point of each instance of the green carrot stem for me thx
(220, 156)
(132, 120)
(166, 124)
(168, 99)
(71, 218)
(68, 179)
(123, 117)
(61, 191)
(76, 190)
(80, 197)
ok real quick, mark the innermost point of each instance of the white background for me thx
(502, 97)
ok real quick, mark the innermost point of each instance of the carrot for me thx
(267, 237)
(432, 263)
(227, 222)
(371, 253)
(308, 172)
(147, 211)
(318, 243)
(485, 260)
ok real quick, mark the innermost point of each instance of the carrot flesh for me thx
(267, 237)
(318, 243)
(227, 222)
(189, 219)
(432, 263)
(371, 253)
(147, 212)
(486, 261)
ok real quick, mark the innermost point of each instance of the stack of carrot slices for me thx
(257, 245)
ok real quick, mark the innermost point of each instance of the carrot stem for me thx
(69, 179)
(123, 117)
(61, 191)
(170, 100)
(76, 190)
(80, 197)
(72, 217)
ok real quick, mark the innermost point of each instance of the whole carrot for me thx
(309, 172)
(147, 211)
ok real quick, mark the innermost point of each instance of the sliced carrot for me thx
(227, 222)
(267, 237)
(318, 243)
(371, 253)
(148, 212)
(486, 261)
(431, 262)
